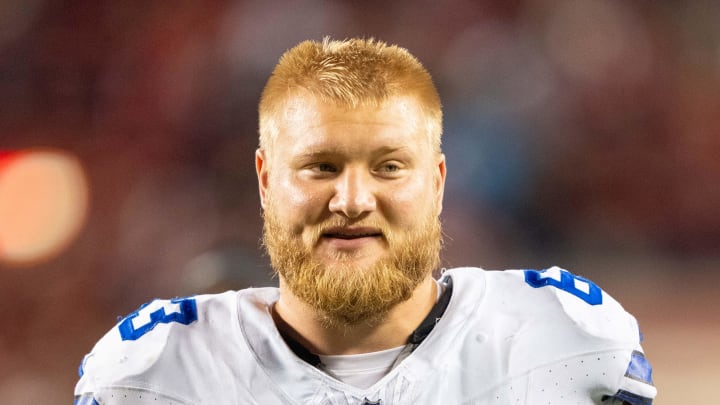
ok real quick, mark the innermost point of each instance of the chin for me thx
(350, 260)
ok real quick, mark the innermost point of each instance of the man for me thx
(351, 180)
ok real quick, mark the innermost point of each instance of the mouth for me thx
(351, 234)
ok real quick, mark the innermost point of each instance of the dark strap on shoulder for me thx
(437, 311)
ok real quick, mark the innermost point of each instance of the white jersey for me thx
(506, 337)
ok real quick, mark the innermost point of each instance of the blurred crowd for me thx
(570, 127)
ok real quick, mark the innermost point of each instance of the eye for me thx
(325, 167)
(389, 167)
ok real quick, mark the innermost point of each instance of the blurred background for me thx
(579, 133)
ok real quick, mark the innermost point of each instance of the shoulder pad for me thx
(150, 337)
(584, 302)
(137, 341)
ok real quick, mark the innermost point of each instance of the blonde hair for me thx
(349, 73)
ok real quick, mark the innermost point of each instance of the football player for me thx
(351, 179)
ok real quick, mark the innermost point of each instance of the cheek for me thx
(295, 197)
(296, 203)
(412, 201)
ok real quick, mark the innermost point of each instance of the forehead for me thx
(305, 109)
(397, 120)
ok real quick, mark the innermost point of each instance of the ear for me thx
(440, 174)
(261, 169)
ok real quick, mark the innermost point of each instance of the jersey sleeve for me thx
(620, 370)
(588, 379)
(118, 368)
(636, 385)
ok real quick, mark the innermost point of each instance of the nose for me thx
(354, 194)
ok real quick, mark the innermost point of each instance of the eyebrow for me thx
(315, 153)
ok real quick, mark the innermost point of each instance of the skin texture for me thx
(352, 199)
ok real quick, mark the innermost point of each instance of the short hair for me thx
(348, 73)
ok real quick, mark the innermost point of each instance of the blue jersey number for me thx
(142, 321)
(580, 287)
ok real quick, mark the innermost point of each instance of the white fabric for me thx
(364, 370)
(361, 370)
(440, 289)
(500, 341)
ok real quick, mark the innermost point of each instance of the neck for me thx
(302, 323)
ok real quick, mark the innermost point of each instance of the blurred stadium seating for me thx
(579, 133)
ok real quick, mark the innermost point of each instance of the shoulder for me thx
(159, 319)
(146, 348)
(138, 340)
(551, 296)
(541, 322)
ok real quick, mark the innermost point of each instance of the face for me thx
(351, 200)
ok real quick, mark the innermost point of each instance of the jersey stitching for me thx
(148, 389)
(278, 389)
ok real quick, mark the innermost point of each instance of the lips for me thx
(352, 233)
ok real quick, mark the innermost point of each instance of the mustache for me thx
(340, 223)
